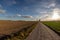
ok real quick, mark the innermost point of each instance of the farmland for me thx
(55, 25)
(10, 27)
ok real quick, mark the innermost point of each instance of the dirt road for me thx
(41, 32)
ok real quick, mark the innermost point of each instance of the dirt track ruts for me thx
(42, 32)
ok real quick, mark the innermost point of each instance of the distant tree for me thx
(39, 19)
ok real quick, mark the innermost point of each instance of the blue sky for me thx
(27, 9)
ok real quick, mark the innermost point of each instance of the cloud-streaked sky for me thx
(27, 9)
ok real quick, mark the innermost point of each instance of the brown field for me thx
(7, 27)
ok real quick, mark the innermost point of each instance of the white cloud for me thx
(48, 4)
(2, 11)
(18, 15)
(53, 15)
(51, 5)
(46, 17)
(56, 10)
(42, 12)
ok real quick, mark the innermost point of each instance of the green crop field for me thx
(55, 25)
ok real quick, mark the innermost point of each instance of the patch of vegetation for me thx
(53, 24)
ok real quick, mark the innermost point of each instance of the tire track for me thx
(42, 32)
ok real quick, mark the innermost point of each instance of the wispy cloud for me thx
(2, 11)
(24, 16)
(47, 17)
(18, 15)
(27, 16)
(0, 6)
(50, 5)
(29, 8)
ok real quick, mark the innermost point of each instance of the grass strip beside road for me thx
(54, 25)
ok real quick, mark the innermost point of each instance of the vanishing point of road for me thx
(42, 32)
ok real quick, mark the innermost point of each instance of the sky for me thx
(28, 9)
